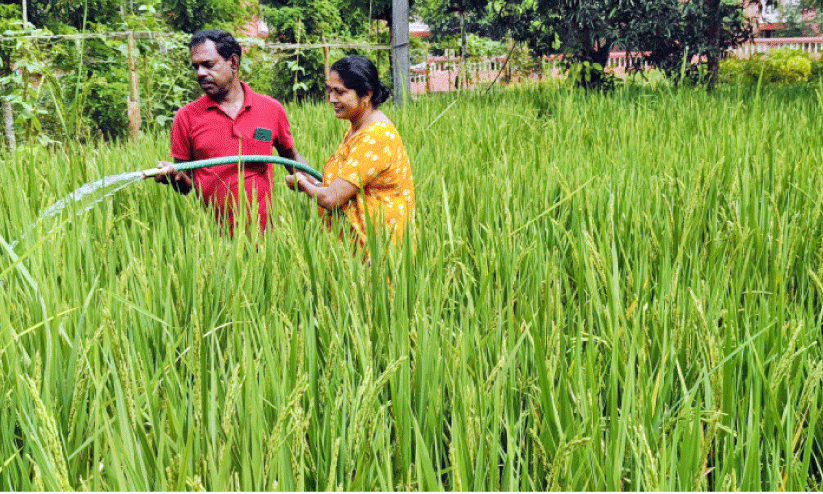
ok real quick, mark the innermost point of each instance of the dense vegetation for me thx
(603, 292)
(56, 89)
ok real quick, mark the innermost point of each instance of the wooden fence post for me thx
(326, 58)
(428, 74)
(8, 124)
(134, 94)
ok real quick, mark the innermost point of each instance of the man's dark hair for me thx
(359, 73)
(224, 42)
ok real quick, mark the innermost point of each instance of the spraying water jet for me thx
(113, 183)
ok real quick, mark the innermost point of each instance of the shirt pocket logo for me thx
(262, 134)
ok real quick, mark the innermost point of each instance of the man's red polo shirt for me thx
(202, 130)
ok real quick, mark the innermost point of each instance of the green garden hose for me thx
(250, 158)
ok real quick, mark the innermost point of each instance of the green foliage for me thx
(783, 65)
(305, 20)
(74, 91)
(590, 74)
(193, 15)
(667, 31)
(300, 74)
(9, 23)
(445, 18)
(794, 16)
(256, 66)
(477, 46)
(21, 81)
(63, 16)
(419, 50)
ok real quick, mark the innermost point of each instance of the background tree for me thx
(665, 32)
(8, 12)
(191, 16)
(57, 15)
(800, 18)
(688, 39)
(454, 16)
(300, 74)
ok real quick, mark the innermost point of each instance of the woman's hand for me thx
(337, 194)
(300, 180)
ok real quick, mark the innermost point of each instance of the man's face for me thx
(214, 73)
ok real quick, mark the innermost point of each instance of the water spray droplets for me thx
(85, 197)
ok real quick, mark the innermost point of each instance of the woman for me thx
(370, 172)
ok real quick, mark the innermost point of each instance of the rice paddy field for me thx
(602, 292)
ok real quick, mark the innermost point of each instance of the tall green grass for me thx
(602, 292)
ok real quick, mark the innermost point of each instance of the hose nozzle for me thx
(152, 172)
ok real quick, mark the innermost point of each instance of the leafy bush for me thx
(476, 46)
(193, 15)
(783, 65)
(166, 79)
(816, 74)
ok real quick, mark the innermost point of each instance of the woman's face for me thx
(346, 103)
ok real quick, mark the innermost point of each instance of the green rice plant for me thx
(600, 292)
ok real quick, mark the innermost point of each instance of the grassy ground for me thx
(617, 292)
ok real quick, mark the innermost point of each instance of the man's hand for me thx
(180, 180)
(298, 181)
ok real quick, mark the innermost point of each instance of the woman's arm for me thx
(332, 197)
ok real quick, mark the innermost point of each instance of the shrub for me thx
(783, 65)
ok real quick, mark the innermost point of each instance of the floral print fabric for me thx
(375, 160)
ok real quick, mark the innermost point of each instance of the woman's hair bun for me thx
(380, 95)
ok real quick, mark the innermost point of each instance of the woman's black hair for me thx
(224, 43)
(360, 74)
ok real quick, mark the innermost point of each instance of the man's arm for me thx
(292, 154)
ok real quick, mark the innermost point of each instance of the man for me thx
(228, 120)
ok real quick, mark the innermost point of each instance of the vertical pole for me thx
(25, 14)
(326, 58)
(428, 73)
(134, 94)
(8, 124)
(400, 51)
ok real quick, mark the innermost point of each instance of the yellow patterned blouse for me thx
(375, 160)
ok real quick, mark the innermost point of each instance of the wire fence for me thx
(447, 73)
(146, 77)
(158, 81)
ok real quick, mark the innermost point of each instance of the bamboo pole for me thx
(134, 95)
(8, 124)
(150, 34)
(326, 58)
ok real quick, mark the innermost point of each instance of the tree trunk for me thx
(597, 54)
(713, 36)
(133, 107)
(8, 125)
